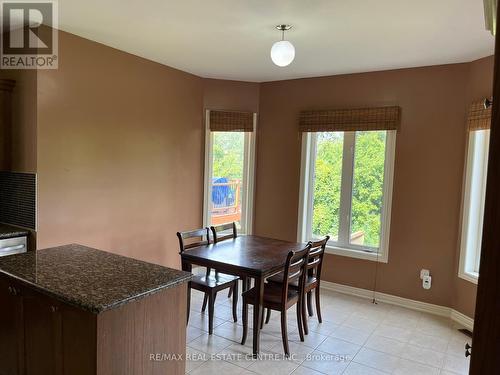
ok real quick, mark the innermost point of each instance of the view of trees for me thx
(228, 148)
(368, 179)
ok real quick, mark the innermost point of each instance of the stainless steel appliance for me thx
(14, 245)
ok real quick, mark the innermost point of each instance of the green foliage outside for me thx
(228, 150)
(368, 179)
(327, 184)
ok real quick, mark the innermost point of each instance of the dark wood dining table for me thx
(245, 256)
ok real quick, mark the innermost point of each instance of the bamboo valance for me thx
(479, 117)
(229, 121)
(356, 119)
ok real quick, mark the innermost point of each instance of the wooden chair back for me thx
(295, 269)
(196, 233)
(316, 255)
(221, 228)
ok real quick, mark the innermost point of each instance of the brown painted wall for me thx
(427, 180)
(23, 132)
(119, 160)
(479, 86)
(231, 95)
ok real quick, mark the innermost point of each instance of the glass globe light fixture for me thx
(283, 52)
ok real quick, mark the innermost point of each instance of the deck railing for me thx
(228, 209)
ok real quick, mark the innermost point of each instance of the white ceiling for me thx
(231, 39)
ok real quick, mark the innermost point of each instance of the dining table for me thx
(246, 256)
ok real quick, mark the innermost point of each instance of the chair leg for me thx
(304, 315)
(245, 322)
(246, 284)
(188, 301)
(299, 319)
(318, 308)
(309, 303)
(211, 308)
(235, 301)
(205, 301)
(284, 333)
(268, 316)
(262, 317)
(230, 293)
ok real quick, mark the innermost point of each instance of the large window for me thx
(473, 207)
(346, 191)
(229, 163)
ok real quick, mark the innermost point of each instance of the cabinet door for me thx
(43, 334)
(11, 330)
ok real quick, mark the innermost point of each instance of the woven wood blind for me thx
(228, 121)
(379, 118)
(479, 117)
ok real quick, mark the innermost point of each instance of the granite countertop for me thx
(9, 231)
(90, 279)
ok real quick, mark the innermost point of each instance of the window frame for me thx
(306, 199)
(247, 199)
(469, 258)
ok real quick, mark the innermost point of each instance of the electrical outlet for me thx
(426, 282)
(424, 273)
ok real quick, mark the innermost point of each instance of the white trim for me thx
(471, 277)
(473, 205)
(385, 230)
(248, 175)
(207, 187)
(304, 186)
(430, 308)
(249, 165)
(358, 254)
(307, 190)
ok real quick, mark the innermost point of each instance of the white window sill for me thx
(469, 276)
(358, 254)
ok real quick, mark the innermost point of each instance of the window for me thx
(473, 207)
(346, 191)
(229, 163)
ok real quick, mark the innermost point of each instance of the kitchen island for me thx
(77, 310)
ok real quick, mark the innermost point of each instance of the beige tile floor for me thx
(355, 338)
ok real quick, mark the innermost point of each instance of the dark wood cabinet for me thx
(30, 332)
(40, 335)
(11, 330)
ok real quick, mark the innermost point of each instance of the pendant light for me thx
(283, 52)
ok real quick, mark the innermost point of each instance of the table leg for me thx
(188, 267)
(257, 316)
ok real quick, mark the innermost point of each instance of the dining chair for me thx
(312, 281)
(216, 233)
(280, 297)
(211, 282)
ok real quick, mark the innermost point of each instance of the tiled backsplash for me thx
(18, 199)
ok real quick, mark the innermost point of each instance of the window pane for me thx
(227, 177)
(478, 147)
(327, 183)
(367, 188)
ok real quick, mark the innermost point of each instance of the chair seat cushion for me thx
(213, 280)
(272, 294)
(278, 279)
